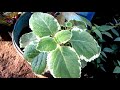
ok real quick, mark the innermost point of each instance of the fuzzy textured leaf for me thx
(85, 45)
(39, 63)
(30, 52)
(63, 36)
(25, 39)
(46, 44)
(68, 24)
(64, 63)
(43, 24)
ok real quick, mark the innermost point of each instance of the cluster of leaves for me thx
(108, 37)
(64, 52)
(7, 18)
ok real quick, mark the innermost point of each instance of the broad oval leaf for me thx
(105, 27)
(106, 49)
(46, 44)
(116, 70)
(108, 34)
(117, 39)
(39, 63)
(115, 32)
(85, 45)
(63, 36)
(43, 24)
(64, 63)
(30, 52)
(25, 39)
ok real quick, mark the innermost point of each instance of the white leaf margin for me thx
(75, 28)
(49, 58)
(93, 57)
(64, 41)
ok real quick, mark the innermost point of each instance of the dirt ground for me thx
(11, 64)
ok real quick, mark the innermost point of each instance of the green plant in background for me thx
(112, 31)
(7, 18)
(64, 52)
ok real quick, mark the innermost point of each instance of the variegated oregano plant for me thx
(61, 49)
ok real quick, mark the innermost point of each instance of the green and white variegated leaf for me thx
(85, 45)
(30, 52)
(79, 24)
(75, 28)
(26, 39)
(68, 24)
(39, 63)
(64, 62)
(43, 24)
(46, 44)
(63, 36)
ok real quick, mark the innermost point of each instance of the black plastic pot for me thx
(19, 26)
(19, 29)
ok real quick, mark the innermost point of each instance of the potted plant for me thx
(61, 49)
